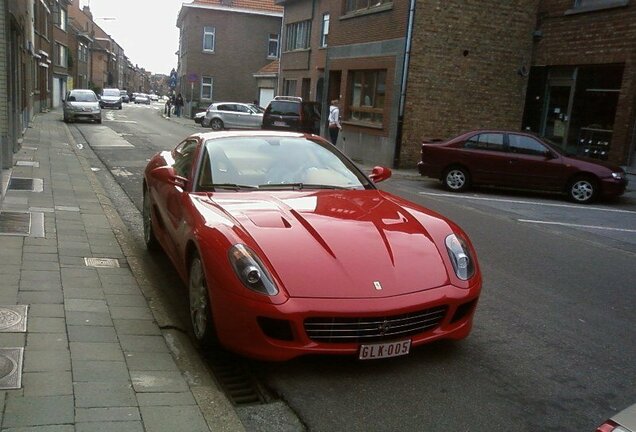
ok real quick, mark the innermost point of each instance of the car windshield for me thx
(274, 162)
(285, 108)
(82, 97)
(111, 92)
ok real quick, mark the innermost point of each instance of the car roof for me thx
(248, 134)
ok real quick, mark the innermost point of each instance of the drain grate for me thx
(21, 184)
(28, 164)
(11, 368)
(236, 380)
(13, 319)
(101, 262)
(15, 223)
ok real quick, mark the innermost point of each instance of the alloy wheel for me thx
(456, 179)
(582, 191)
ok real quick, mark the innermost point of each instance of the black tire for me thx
(456, 179)
(583, 190)
(152, 244)
(200, 306)
(216, 124)
(99, 121)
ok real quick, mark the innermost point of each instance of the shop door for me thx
(557, 116)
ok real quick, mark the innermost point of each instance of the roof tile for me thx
(264, 5)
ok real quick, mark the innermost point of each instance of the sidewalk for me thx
(89, 351)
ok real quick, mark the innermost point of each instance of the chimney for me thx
(87, 12)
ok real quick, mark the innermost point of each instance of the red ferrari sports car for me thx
(287, 249)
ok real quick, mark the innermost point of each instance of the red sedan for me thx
(288, 249)
(518, 160)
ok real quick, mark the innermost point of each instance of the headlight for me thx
(617, 175)
(463, 263)
(251, 271)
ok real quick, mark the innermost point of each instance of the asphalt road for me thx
(553, 345)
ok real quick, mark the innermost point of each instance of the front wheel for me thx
(216, 124)
(582, 190)
(456, 179)
(200, 310)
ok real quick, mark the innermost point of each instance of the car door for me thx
(228, 115)
(533, 165)
(171, 198)
(242, 114)
(484, 155)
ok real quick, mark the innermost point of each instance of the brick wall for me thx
(390, 24)
(241, 43)
(467, 69)
(606, 36)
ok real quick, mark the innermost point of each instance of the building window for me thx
(82, 53)
(367, 96)
(324, 30)
(298, 36)
(361, 5)
(61, 56)
(208, 39)
(61, 19)
(272, 48)
(206, 88)
(289, 87)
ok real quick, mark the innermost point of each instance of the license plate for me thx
(384, 350)
(280, 124)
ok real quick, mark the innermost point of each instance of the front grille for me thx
(373, 329)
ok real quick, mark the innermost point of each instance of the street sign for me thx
(193, 77)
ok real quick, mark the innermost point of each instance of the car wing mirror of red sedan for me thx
(166, 174)
(379, 174)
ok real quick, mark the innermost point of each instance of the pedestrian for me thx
(168, 106)
(178, 105)
(334, 121)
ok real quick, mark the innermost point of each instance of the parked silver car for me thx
(233, 115)
(81, 104)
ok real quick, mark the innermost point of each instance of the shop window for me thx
(367, 96)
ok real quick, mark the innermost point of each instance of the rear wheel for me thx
(149, 235)
(456, 179)
(200, 307)
(216, 124)
(583, 190)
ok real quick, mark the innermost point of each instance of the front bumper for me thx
(83, 115)
(611, 187)
(238, 327)
(107, 104)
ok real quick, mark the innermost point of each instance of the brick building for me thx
(582, 86)
(223, 43)
(61, 54)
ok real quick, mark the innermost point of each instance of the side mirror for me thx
(379, 174)
(550, 155)
(166, 174)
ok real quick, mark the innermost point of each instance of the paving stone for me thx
(96, 351)
(100, 371)
(40, 265)
(46, 310)
(118, 414)
(31, 257)
(136, 327)
(104, 394)
(91, 334)
(85, 293)
(47, 341)
(40, 275)
(113, 278)
(42, 297)
(132, 343)
(46, 325)
(141, 361)
(34, 411)
(45, 361)
(173, 418)
(82, 305)
(158, 381)
(166, 399)
(130, 312)
(88, 318)
(51, 428)
(47, 383)
(40, 249)
(126, 300)
(129, 289)
(116, 426)
(42, 285)
(12, 339)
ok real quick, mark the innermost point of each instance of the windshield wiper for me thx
(299, 186)
(233, 186)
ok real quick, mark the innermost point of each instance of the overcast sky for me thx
(145, 29)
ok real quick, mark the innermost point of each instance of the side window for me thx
(225, 107)
(184, 158)
(525, 145)
(242, 109)
(486, 141)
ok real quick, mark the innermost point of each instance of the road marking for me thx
(508, 201)
(121, 172)
(577, 225)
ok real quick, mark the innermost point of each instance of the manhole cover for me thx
(28, 163)
(15, 223)
(22, 184)
(101, 262)
(13, 319)
(11, 368)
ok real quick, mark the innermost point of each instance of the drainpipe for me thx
(405, 76)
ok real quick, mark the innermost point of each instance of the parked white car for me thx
(233, 115)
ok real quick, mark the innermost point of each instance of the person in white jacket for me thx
(334, 121)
